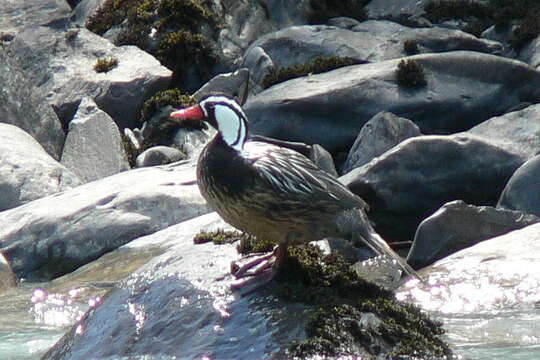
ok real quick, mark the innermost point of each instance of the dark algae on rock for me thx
(317, 66)
(105, 64)
(410, 73)
(348, 316)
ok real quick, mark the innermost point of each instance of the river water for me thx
(34, 316)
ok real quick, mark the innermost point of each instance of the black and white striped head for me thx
(224, 114)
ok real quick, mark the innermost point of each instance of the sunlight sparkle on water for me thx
(56, 309)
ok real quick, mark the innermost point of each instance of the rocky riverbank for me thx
(429, 111)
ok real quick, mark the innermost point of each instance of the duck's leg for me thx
(259, 269)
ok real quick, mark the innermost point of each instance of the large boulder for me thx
(61, 64)
(411, 181)
(16, 15)
(154, 313)
(517, 130)
(93, 148)
(463, 89)
(27, 172)
(384, 131)
(25, 107)
(523, 189)
(456, 226)
(369, 41)
(54, 235)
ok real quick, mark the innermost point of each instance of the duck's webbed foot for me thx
(255, 270)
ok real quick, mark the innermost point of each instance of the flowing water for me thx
(482, 323)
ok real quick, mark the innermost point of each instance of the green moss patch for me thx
(105, 64)
(318, 65)
(410, 73)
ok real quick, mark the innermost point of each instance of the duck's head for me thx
(223, 113)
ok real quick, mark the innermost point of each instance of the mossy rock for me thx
(173, 97)
(343, 303)
(410, 73)
(348, 316)
(167, 29)
(317, 66)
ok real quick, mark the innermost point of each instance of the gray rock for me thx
(84, 10)
(192, 141)
(27, 172)
(463, 89)
(496, 275)
(385, 8)
(25, 107)
(52, 236)
(61, 64)
(323, 159)
(16, 15)
(7, 278)
(159, 155)
(384, 131)
(503, 35)
(456, 226)
(411, 181)
(523, 189)
(518, 130)
(369, 41)
(246, 21)
(93, 148)
(230, 84)
(259, 64)
(530, 53)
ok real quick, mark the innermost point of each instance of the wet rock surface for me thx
(456, 226)
(194, 278)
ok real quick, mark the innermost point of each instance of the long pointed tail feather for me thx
(377, 244)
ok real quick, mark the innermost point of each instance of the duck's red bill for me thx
(191, 113)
